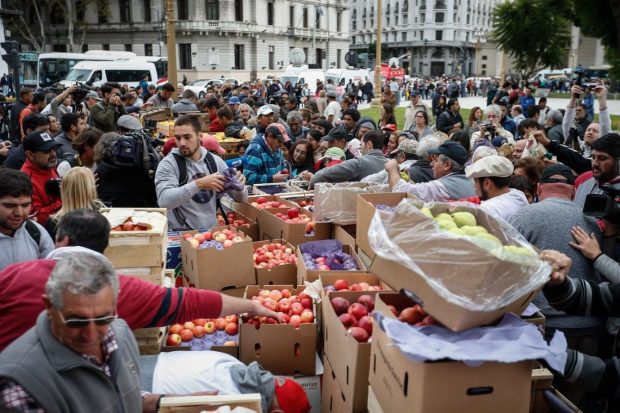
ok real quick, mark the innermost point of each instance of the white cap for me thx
(264, 110)
(490, 166)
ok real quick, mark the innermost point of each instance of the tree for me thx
(532, 34)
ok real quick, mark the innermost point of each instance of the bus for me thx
(28, 69)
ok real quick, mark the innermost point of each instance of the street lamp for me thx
(480, 39)
(378, 91)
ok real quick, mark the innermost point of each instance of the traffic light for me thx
(11, 55)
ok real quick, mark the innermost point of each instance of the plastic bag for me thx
(337, 203)
(331, 250)
(473, 273)
(231, 184)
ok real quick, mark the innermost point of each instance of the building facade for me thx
(245, 39)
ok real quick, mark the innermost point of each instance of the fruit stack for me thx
(275, 262)
(241, 222)
(291, 224)
(205, 334)
(312, 262)
(219, 239)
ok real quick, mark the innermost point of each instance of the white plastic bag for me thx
(337, 203)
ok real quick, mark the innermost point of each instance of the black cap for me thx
(556, 171)
(40, 141)
(453, 150)
(335, 134)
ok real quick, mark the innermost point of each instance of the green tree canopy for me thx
(532, 34)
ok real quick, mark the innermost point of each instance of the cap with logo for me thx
(40, 141)
(279, 131)
(264, 110)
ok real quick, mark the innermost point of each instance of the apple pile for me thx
(414, 315)
(293, 309)
(355, 317)
(232, 220)
(293, 216)
(218, 331)
(343, 285)
(272, 255)
(217, 239)
(303, 203)
(128, 225)
(262, 203)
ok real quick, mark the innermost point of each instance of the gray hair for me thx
(294, 115)
(456, 167)
(80, 273)
(103, 148)
(493, 108)
(483, 151)
(188, 94)
(556, 116)
(426, 143)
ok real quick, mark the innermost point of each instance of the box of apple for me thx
(355, 317)
(218, 239)
(312, 261)
(240, 221)
(294, 216)
(204, 334)
(282, 348)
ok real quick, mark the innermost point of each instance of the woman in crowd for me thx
(84, 144)
(387, 115)
(421, 124)
(442, 106)
(388, 96)
(475, 118)
(77, 190)
(391, 144)
(314, 138)
(301, 158)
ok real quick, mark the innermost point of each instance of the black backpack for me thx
(33, 231)
(212, 168)
(134, 150)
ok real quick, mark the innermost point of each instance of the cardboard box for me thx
(250, 229)
(337, 203)
(305, 202)
(272, 227)
(345, 234)
(348, 358)
(352, 277)
(279, 348)
(401, 384)
(279, 275)
(366, 210)
(333, 399)
(250, 211)
(312, 385)
(304, 274)
(198, 404)
(230, 350)
(173, 251)
(213, 269)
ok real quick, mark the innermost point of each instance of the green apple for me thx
(446, 224)
(518, 250)
(486, 241)
(474, 230)
(464, 218)
(426, 211)
(518, 255)
(443, 216)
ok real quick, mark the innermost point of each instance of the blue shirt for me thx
(262, 162)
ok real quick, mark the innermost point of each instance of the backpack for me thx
(33, 231)
(211, 167)
(134, 150)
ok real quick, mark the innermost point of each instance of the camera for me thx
(605, 205)
(490, 127)
(52, 187)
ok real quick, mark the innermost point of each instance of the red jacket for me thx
(43, 205)
(140, 303)
(215, 125)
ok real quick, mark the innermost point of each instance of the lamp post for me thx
(172, 44)
(377, 100)
(480, 39)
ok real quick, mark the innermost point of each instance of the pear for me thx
(474, 230)
(518, 250)
(512, 253)
(487, 241)
(442, 216)
(464, 218)
(426, 211)
(446, 224)
(456, 231)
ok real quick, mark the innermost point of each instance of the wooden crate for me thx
(150, 340)
(197, 404)
(154, 275)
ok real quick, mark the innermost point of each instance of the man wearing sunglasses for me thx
(79, 356)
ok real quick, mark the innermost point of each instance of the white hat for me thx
(264, 110)
(490, 166)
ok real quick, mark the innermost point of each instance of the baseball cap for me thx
(129, 122)
(490, 166)
(389, 127)
(334, 154)
(40, 141)
(453, 150)
(93, 95)
(168, 146)
(234, 100)
(264, 110)
(291, 396)
(210, 143)
(409, 146)
(335, 134)
(557, 170)
(331, 94)
(279, 131)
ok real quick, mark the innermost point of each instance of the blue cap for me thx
(234, 100)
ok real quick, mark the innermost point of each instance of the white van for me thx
(96, 73)
(344, 75)
(302, 75)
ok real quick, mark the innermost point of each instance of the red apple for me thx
(175, 329)
(347, 320)
(173, 340)
(295, 321)
(270, 304)
(198, 331)
(296, 308)
(307, 316)
(357, 310)
(367, 301)
(366, 323)
(276, 295)
(220, 323)
(355, 287)
(200, 322)
(230, 343)
(359, 334)
(286, 293)
(232, 318)
(231, 329)
(261, 200)
(188, 325)
(187, 335)
(340, 285)
(340, 304)
(306, 302)
(284, 305)
(210, 327)
(292, 213)
(412, 315)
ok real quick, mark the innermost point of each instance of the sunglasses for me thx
(84, 322)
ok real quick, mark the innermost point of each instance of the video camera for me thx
(605, 205)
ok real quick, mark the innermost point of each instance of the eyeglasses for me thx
(84, 322)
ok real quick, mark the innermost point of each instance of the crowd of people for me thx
(62, 161)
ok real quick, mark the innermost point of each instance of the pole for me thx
(377, 100)
(172, 45)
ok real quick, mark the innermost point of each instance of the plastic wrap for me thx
(231, 184)
(473, 273)
(337, 203)
(331, 249)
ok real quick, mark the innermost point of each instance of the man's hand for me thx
(391, 166)
(586, 244)
(241, 178)
(213, 182)
(560, 264)
(4, 148)
(307, 175)
(541, 137)
(574, 92)
(279, 177)
(600, 91)
(457, 125)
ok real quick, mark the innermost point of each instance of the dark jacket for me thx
(421, 171)
(447, 120)
(14, 130)
(125, 187)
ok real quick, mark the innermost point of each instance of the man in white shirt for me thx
(332, 111)
(491, 176)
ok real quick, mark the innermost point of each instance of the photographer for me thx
(578, 130)
(491, 129)
(105, 114)
(62, 104)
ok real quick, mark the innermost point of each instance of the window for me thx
(339, 21)
(128, 47)
(105, 46)
(239, 57)
(319, 58)
(146, 6)
(438, 34)
(56, 14)
(125, 76)
(305, 17)
(404, 36)
(148, 49)
(422, 17)
(239, 10)
(212, 11)
(439, 17)
(270, 13)
(291, 16)
(484, 57)
(79, 10)
(125, 10)
(338, 57)
(62, 48)
(317, 17)
(185, 56)
(182, 10)
(272, 57)
(352, 39)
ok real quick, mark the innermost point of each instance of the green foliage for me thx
(600, 18)
(532, 33)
